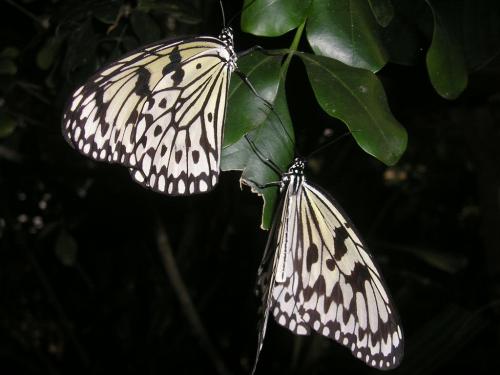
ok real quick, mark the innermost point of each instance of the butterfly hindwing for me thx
(323, 278)
(160, 111)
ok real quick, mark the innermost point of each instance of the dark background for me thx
(84, 288)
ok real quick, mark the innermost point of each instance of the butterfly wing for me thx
(326, 281)
(158, 110)
(267, 272)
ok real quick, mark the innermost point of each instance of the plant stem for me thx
(180, 288)
(293, 48)
(25, 12)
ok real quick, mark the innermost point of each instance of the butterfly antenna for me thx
(223, 15)
(292, 141)
(290, 138)
(241, 11)
(333, 141)
(271, 164)
(247, 82)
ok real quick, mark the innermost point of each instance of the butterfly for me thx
(158, 110)
(317, 275)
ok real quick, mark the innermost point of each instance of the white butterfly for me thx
(318, 276)
(160, 111)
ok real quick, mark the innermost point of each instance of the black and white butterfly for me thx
(159, 110)
(317, 275)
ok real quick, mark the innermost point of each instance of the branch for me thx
(187, 305)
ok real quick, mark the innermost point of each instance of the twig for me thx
(187, 305)
(26, 12)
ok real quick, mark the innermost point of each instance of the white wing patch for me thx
(323, 279)
(159, 111)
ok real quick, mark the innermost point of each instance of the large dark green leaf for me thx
(145, 27)
(9, 53)
(346, 30)
(7, 125)
(273, 17)
(274, 139)
(357, 97)
(445, 58)
(382, 10)
(49, 52)
(8, 67)
(404, 38)
(83, 42)
(245, 111)
(481, 33)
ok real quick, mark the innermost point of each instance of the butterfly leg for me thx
(264, 186)
(275, 167)
(261, 49)
(250, 50)
(247, 82)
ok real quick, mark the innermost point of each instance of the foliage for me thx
(349, 44)
(82, 287)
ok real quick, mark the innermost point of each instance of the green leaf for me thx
(445, 58)
(481, 34)
(347, 31)
(273, 17)
(275, 140)
(7, 124)
(443, 261)
(383, 11)
(8, 67)
(109, 12)
(10, 53)
(66, 249)
(180, 10)
(245, 111)
(145, 27)
(403, 39)
(357, 97)
(46, 56)
(82, 46)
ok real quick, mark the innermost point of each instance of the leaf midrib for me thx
(365, 108)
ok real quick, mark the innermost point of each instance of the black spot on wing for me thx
(196, 156)
(104, 128)
(178, 156)
(158, 131)
(150, 103)
(312, 256)
(142, 85)
(330, 264)
(320, 285)
(132, 119)
(358, 276)
(175, 66)
(340, 248)
(337, 294)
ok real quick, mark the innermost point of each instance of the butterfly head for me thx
(294, 177)
(297, 167)
(226, 37)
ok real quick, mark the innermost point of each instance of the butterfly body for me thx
(160, 111)
(321, 277)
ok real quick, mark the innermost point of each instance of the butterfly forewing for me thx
(159, 111)
(328, 282)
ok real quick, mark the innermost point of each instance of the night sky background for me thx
(85, 289)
